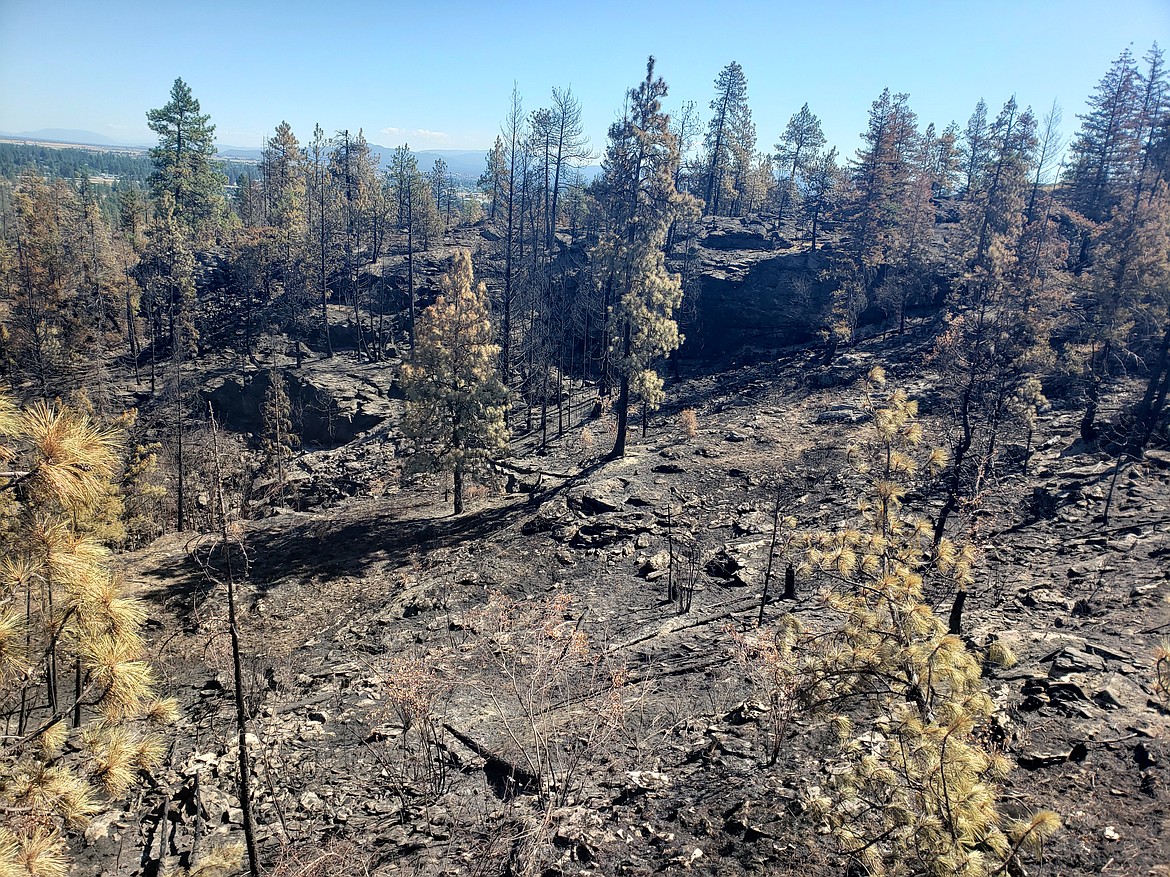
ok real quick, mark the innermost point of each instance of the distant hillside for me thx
(465, 165)
(70, 136)
(125, 163)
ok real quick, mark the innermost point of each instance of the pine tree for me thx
(71, 670)
(914, 784)
(1105, 145)
(282, 165)
(166, 274)
(282, 168)
(947, 160)
(569, 146)
(454, 397)
(640, 203)
(43, 325)
(730, 129)
(322, 226)
(1152, 122)
(799, 146)
(822, 187)
(494, 177)
(1048, 149)
(353, 168)
(438, 181)
(184, 160)
(410, 193)
(882, 174)
(1128, 308)
(247, 203)
(686, 126)
(998, 327)
(974, 149)
(103, 282)
(1000, 196)
(279, 440)
(1117, 179)
(253, 267)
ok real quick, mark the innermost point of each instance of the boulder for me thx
(843, 414)
(1071, 660)
(599, 498)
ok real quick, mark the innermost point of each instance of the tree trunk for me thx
(237, 670)
(410, 266)
(623, 402)
(180, 461)
(954, 483)
(1096, 375)
(1154, 399)
(458, 488)
(955, 622)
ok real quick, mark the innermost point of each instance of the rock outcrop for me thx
(755, 289)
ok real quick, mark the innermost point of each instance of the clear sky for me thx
(438, 74)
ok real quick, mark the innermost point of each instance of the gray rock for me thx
(1073, 660)
(658, 563)
(843, 414)
(600, 498)
(310, 802)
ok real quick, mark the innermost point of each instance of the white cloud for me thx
(416, 137)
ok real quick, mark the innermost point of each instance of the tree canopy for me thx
(184, 160)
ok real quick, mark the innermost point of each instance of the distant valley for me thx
(465, 165)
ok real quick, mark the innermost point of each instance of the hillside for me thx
(42, 149)
(735, 512)
(343, 601)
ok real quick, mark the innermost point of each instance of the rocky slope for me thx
(377, 582)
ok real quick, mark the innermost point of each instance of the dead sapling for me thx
(684, 561)
(783, 541)
(230, 544)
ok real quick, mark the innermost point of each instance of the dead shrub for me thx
(337, 858)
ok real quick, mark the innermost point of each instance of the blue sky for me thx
(438, 74)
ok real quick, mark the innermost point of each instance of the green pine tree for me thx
(641, 203)
(914, 785)
(184, 160)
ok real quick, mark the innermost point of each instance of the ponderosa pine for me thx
(640, 205)
(454, 397)
(914, 784)
(184, 160)
(71, 668)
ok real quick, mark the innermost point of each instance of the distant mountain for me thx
(72, 136)
(460, 162)
(239, 153)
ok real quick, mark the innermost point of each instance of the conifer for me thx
(730, 131)
(184, 160)
(279, 438)
(641, 203)
(454, 397)
(799, 147)
(882, 173)
(913, 785)
(71, 670)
